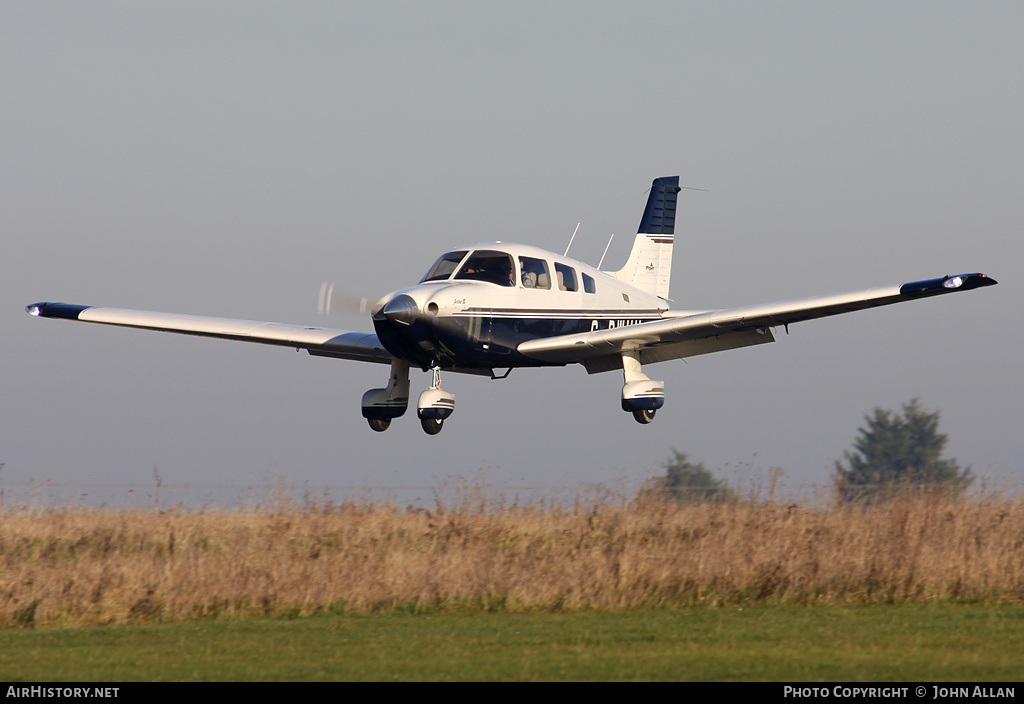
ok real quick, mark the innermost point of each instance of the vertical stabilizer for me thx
(649, 266)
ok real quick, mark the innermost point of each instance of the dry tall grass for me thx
(79, 566)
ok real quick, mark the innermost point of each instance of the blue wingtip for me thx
(946, 284)
(68, 311)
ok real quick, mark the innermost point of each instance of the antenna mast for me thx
(606, 250)
(570, 240)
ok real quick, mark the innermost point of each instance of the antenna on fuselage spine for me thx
(606, 250)
(571, 239)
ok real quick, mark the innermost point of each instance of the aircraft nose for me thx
(400, 310)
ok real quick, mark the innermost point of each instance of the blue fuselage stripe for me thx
(491, 340)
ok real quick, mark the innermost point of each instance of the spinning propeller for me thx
(337, 300)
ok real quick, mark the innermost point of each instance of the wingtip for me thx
(946, 284)
(969, 281)
(68, 311)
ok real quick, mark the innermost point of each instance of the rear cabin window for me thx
(566, 276)
(589, 285)
(444, 266)
(487, 265)
(535, 273)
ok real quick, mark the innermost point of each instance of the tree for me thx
(687, 482)
(895, 452)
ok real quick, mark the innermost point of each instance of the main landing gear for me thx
(381, 406)
(640, 395)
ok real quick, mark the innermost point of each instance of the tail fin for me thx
(649, 266)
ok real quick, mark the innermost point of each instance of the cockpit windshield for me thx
(489, 265)
(444, 266)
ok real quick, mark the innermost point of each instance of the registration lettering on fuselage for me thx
(596, 324)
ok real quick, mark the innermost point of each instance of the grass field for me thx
(922, 588)
(766, 643)
(71, 567)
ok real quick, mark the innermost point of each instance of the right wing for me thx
(688, 334)
(322, 342)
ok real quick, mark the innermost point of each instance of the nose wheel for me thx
(432, 426)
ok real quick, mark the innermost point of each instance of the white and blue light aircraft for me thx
(497, 306)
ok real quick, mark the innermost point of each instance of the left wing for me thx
(690, 334)
(322, 342)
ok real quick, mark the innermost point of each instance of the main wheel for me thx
(379, 424)
(431, 426)
(644, 417)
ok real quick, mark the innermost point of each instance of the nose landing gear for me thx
(435, 405)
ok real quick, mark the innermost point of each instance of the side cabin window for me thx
(535, 273)
(566, 276)
(444, 267)
(488, 265)
(589, 285)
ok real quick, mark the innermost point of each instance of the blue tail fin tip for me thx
(660, 214)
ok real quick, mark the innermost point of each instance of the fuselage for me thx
(479, 302)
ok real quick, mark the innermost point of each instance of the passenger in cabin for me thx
(534, 272)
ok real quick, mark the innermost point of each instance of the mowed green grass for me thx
(891, 643)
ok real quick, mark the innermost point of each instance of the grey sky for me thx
(224, 158)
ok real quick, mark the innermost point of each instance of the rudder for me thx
(649, 266)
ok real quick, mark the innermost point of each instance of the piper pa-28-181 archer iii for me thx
(483, 307)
